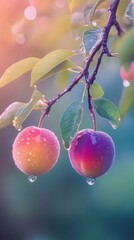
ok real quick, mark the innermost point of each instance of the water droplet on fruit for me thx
(38, 139)
(32, 178)
(126, 83)
(44, 139)
(90, 181)
(93, 139)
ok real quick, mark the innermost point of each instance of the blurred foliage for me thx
(60, 205)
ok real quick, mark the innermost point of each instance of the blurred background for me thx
(60, 205)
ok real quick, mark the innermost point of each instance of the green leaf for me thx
(50, 62)
(62, 79)
(125, 47)
(127, 100)
(91, 38)
(96, 91)
(93, 10)
(6, 118)
(66, 65)
(17, 69)
(107, 110)
(130, 12)
(25, 110)
(70, 122)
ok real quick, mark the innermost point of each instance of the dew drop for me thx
(114, 126)
(19, 128)
(90, 181)
(32, 178)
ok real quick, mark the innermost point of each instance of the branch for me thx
(118, 28)
(85, 72)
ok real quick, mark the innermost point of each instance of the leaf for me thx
(122, 8)
(6, 118)
(107, 110)
(75, 3)
(92, 12)
(48, 63)
(66, 65)
(86, 12)
(91, 38)
(130, 11)
(96, 91)
(127, 100)
(124, 47)
(70, 122)
(25, 110)
(17, 69)
(63, 79)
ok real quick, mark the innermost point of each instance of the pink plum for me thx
(91, 153)
(35, 150)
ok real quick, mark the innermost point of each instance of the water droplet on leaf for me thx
(32, 178)
(90, 181)
(114, 126)
(19, 128)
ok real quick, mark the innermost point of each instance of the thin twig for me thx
(102, 45)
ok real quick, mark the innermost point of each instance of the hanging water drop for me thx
(32, 178)
(19, 128)
(90, 181)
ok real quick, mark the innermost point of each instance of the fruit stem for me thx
(94, 119)
(91, 109)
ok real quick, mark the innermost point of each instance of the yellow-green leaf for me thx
(99, 2)
(48, 63)
(125, 47)
(76, 3)
(6, 118)
(127, 100)
(66, 65)
(122, 8)
(96, 91)
(25, 110)
(17, 69)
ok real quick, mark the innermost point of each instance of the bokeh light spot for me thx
(20, 38)
(30, 13)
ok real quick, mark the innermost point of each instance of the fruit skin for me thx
(91, 153)
(129, 74)
(35, 150)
